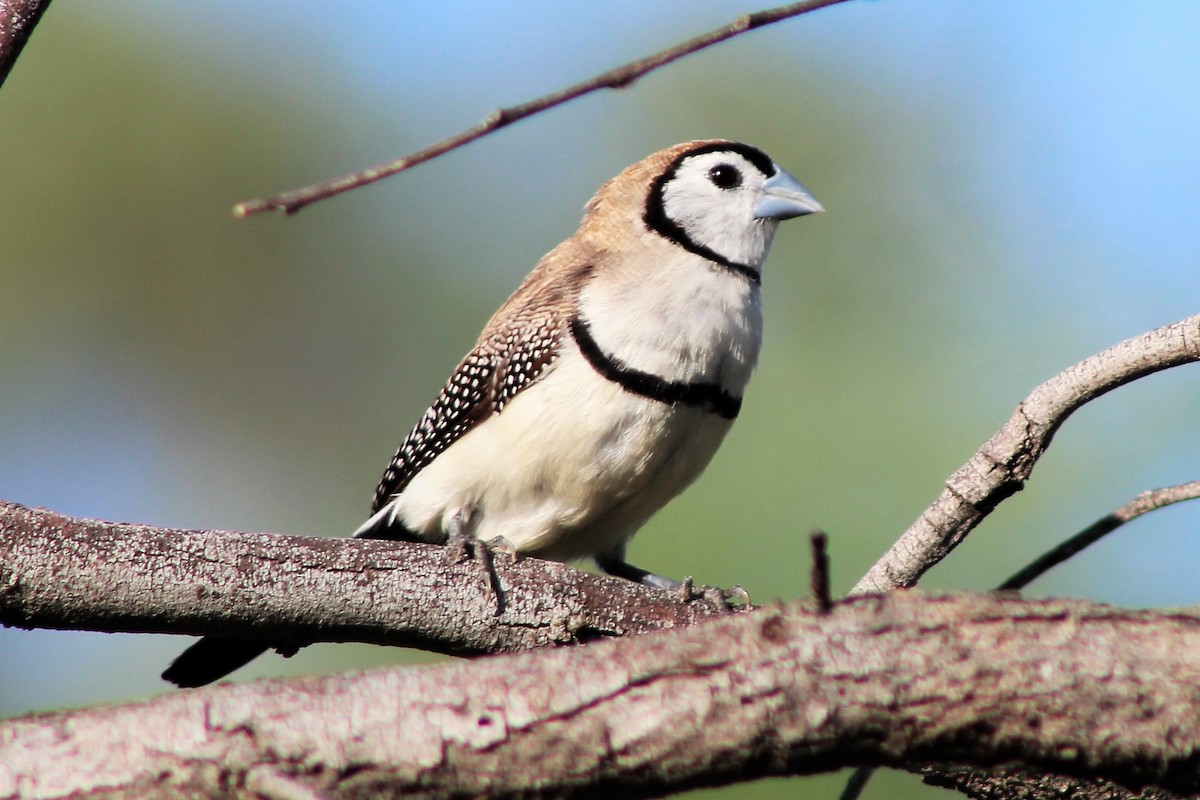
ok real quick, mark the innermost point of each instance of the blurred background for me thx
(1010, 187)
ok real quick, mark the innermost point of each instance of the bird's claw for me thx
(689, 590)
(459, 546)
(736, 592)
(500, 546)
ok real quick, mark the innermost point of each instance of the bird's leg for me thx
(614, 563)
(459, 543)
(486, 552)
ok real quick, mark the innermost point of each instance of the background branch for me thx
(1144, 503)
(617, 78)
(1001, 466)
(1060, 686)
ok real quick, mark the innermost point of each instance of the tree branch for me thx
(1144, 503)
(618, 78)
(17, 21)
(65, 573)
(1001, 466)
(998, 470)
(1009, 784)
(1071, 688)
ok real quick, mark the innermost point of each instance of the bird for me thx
(602, 387)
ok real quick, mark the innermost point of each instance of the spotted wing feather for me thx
(506, 361)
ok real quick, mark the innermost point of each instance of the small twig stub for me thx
(820, 572)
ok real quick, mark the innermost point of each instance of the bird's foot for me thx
(461, 546)
(740, 596)
(685, 590)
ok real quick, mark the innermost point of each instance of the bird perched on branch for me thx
(602, 387)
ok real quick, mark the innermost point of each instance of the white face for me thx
(712, 198)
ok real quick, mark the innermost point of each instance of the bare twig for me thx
(17, 21)
(618, 78)
(855, 784)
(1000, 468)
(1142, 504)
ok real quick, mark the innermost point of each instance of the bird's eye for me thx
(725, 176)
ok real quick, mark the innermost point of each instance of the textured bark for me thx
(1002, 465)
(17, 21)
(66, 573)
(1023, 785)
(1065, 687)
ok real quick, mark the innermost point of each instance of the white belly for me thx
(572, 467)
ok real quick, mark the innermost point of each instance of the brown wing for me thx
(506, 361)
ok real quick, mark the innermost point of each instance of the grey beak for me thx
(785, 197)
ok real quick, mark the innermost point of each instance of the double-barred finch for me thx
(603, 386)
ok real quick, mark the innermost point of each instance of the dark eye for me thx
(725, 176)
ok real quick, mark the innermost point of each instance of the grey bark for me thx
(66, 573)
(1070, 688)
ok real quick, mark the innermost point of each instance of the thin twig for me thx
(856, 783)
(292, 201)
(1144, 503)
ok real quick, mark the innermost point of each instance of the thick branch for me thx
(60, 572)
(1000, 468)
(17, 21)
(617, 78)
(1065, 687)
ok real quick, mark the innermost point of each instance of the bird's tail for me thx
(383, 524)
(210, 659)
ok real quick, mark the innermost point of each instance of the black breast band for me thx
(708, 396)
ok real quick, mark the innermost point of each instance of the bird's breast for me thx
(571, 467)
(687, 321)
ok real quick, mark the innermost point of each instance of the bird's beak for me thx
(785, 197)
